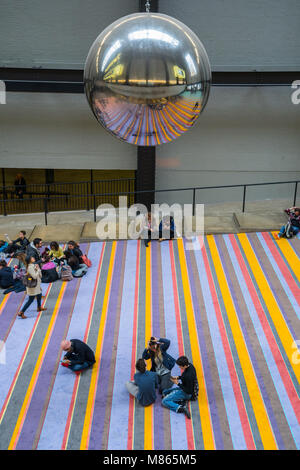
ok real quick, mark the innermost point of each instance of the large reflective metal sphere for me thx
(147, 78)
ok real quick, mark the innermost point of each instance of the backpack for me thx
(86, 261)
(66, 273)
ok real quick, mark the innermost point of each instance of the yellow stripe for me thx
(4, 302)
(34, 377)
(290, 255)
(205, 418)
(148, 421)
(21, 364)
(257, 402)
(274, 311)
(95, 371)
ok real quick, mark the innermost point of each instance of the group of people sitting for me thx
(79, 356)
(146, 382)
(37, 264)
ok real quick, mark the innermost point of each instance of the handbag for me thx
(86, 261)
(29, 281)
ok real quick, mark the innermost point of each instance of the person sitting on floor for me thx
(6, 275)
(173, 397)
(166, 228)
(161, 362)
(18, 245)
(143, 387)
(3, 247)
(74, 249)
(78, 269)
(294, 220)
(56, 252)
(33, 250)
(49, 272)
(79, 355)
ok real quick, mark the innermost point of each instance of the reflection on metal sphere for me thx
(147, 78)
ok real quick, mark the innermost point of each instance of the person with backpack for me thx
(161, 362)
(173, 398)
(293, 226)
(32, 281)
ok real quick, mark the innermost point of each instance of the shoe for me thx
(21, 315)
(41, 309)
(184, 409)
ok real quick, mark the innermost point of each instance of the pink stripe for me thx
(234, 379)
(286, 379)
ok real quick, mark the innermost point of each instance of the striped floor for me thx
(231, 306)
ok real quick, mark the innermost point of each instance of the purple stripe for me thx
(96, 434)
(250, 351)
(287, 320)
(158, 410)
(9, 312)
(52, 355)
(205, 361)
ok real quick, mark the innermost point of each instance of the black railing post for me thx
(46, 210)
(295, 193)
(194, 200)
(244, 198)
(87, 196)
(95, 218)
(4, 192)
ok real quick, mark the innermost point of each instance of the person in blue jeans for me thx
(173, 397)
(294, 217)
(144, 384)
(79, 355)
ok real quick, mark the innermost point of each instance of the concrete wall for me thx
(238, 34)
(245, 135)
(56, 130)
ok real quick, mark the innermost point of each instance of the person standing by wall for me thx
(20, 186)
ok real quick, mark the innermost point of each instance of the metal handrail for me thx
(194, 189)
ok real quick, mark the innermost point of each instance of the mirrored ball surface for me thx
(147, 78)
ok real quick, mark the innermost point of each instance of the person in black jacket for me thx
(33, 250)
(20, 244)
(78, 355)
(162, 362)
(73, 250)
(6, 275)
(173, 397)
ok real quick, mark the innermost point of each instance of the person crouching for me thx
(79, 355)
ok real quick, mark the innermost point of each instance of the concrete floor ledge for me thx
(260, 222)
